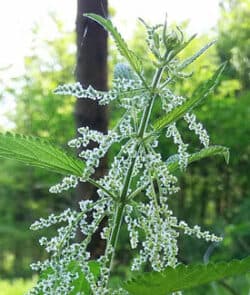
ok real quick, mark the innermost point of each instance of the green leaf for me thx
(183, 46)
(191, 59)
(210, 151)
(184, 277)
(40, 153)
(201, 92)
(119, 41)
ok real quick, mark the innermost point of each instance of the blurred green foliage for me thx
(16, 286)
(24, 193)
(213, 194)
(234, 39)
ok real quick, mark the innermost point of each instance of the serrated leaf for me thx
(191, 59)
(119, 41)
(201, 92)
(40, 153)
(173, 161)
(184, 277)
(209, 152)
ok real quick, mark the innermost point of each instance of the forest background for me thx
(213, 195)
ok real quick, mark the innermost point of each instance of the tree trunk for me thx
(91, 70)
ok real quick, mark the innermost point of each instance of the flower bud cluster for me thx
(52, 219)
(126, 127)
(77, 90)
(196, 231)
(170, 101)
(87, 135)
(137, 104)
(113, 181)
(132, 225)
(172, 131)
(131, 94)
(160, 244)
(123, 88)
(198, 128)
(92, 156)
(55, 284)
(166, 181)
(67, 183)
(64, 251)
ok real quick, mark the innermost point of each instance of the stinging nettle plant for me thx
(137, 169)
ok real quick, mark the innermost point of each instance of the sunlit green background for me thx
(213, 194)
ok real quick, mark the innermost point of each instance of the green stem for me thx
(147, 112)
(123, 199)
(98, 185)
(115, 233)
(120, 211)
(136, 192)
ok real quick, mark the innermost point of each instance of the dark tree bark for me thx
(91, 63)
(91, 70)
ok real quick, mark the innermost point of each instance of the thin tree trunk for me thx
(91, 70)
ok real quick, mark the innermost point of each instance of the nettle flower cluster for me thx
(139, 183)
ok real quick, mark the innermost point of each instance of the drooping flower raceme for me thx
(138, 169)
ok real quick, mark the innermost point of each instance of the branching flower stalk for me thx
(137, 169)
(124, 197)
